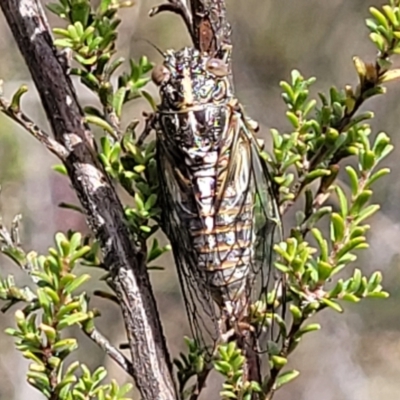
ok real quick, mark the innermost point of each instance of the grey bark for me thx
(150, 360)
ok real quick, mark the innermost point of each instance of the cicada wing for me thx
(268, 232)
(177, 200)
(244, 194)
(248, 173)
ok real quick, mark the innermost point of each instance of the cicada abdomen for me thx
(219, 211)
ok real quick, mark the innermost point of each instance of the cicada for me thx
(218, 205)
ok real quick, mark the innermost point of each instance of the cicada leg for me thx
(150, 120)
(232, 326)
(252, 124)
(225, 332)
(184, 181)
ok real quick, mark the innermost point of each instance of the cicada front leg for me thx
(224, 334)
(150, 125)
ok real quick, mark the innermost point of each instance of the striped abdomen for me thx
(222, 227)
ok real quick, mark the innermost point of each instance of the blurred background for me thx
(356, 356)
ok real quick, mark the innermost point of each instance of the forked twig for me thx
(178, 7)
(110, 350)
(205, 20)
(18, 116)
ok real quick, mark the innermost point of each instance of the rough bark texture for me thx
(211, 29)
(150, 360)
(205, 20)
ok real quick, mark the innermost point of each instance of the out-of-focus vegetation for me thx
(270, 39)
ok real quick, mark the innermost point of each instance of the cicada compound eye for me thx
(217, 67)
(160, 74)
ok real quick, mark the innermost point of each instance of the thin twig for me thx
(205, 21)
(200, 384)
(285, 351)
(110, 350)
(211, 29)
(18, 116)
(179, 7)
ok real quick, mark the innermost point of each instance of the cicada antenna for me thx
(155, 47)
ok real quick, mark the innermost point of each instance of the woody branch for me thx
(151, 367)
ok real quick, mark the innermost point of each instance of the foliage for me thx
(48, 311)
(324, 137)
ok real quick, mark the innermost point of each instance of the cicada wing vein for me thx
(266, 218)
(200, 308)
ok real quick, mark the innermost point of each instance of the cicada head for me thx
(188, 79)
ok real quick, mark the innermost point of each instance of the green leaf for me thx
(61, 32)
(296, 312)
(360, 202)
(76, 283)
(49, 331)
(60, 168)
(390, 13)
(52, 294)
(73, 33)
(278, 362)
(381, 19)
(322, 243)
(337, 289)
(342, 201)
(332, 304)
(350, 245)
(350, 297)
(356, 280)
(136, 153)
(338, 227)
(308, 328)
(286, 377)
(324, 270)
(378, 40)
(79, 254)
(368, 160)
(79, 29)
(353, 179)
(31, 356)
(293, 119)
(115, 153)
(228, 394)
(223, 367)
(139, 202)
(56, 8)
(80, 12)
(72, 320)
(118, 100)
(317, 173)
(150, 202)
(63, 43)
(366, 213)
(374, 281)
(377, 175)
(378, 295)
(287, 89)
(68, 344)
(39, 380)
(104, 5)
(44, 300)
(100, 122)
(149, 99)
(75, 241)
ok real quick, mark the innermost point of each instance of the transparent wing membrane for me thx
(219, 209)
